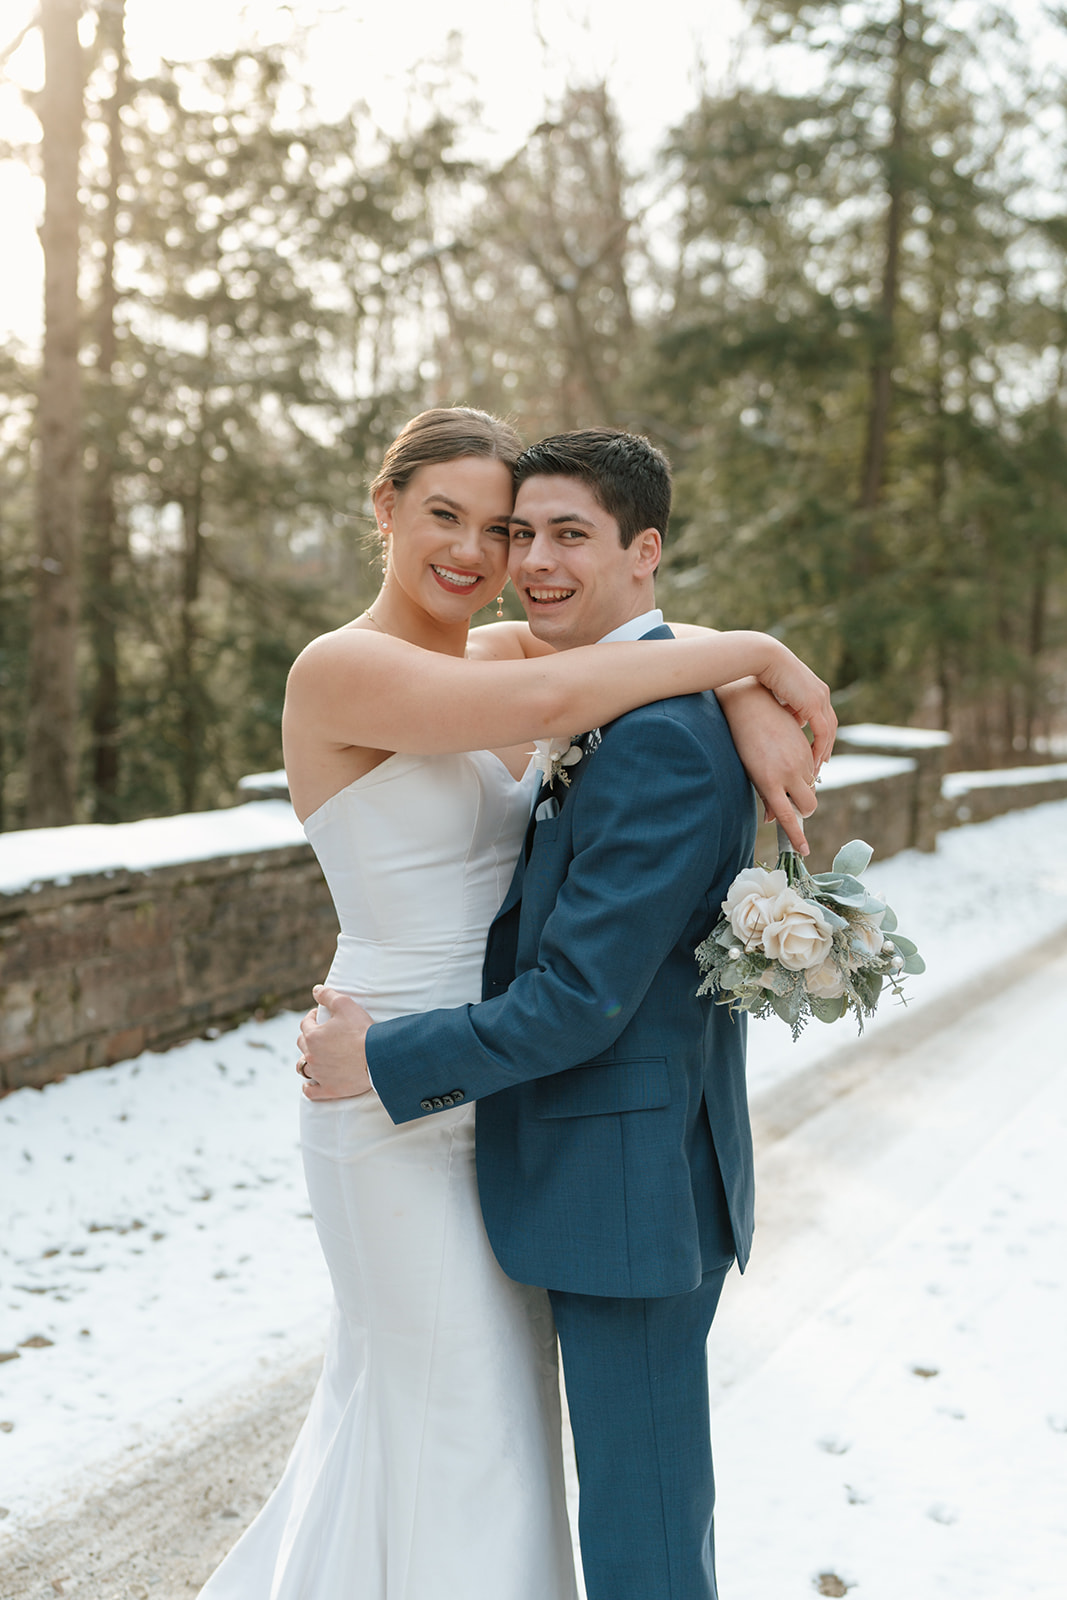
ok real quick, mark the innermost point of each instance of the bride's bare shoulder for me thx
(354, 645)
(504, 641)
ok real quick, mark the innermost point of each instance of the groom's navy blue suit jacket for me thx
(597, 1070)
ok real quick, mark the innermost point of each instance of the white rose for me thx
(825, 982)
(797, 934)
(865, 933)
(747, 905)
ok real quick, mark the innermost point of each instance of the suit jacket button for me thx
(426, 1105)
(457, 1096)
(437, 1103)
(447, 1100)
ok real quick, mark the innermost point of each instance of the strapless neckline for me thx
(401, 761)
(418, 853)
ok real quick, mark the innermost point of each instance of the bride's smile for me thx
(446, 537)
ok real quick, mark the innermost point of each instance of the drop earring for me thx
(499, 607)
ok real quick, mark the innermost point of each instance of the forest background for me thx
(837, 296)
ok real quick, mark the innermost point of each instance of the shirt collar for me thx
(636, 628)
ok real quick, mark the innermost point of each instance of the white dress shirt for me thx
(636, 628)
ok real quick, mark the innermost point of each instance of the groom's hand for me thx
(333, 1060)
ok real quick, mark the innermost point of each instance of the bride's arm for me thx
(355, 688)
(773, 750)
(775, 753)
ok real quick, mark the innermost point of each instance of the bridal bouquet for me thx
(800, 944)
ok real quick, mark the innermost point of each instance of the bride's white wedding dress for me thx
(429, 1467)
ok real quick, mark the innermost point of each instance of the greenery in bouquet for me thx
(796, 944)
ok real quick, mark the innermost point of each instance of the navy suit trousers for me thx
(637, 1388)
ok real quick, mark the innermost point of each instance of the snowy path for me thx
(892, 1389)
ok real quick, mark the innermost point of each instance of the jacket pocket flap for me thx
(597, 1091)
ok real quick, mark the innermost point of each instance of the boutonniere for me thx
(552, 757)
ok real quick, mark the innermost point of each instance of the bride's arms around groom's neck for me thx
(357, 688)
(773, 749)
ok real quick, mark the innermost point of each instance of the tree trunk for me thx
(52, 729)
(103, 538)
(940, 573)
(1037, 621)
(881, 394)
(3, 688)
(190, 719)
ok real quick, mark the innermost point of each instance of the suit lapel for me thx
(547, 791)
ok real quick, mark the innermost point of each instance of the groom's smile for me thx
(567, 562)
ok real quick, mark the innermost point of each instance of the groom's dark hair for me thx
(629, 477)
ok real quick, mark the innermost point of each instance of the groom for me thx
(614, 1151)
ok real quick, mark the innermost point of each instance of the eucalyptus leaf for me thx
(857, 899)
(829, 1010)
(848, 883)
(787, 1007)
(889, 921)
(868, 985)
(853, 858)
(778, 981)
(914, 964)
(904, 946)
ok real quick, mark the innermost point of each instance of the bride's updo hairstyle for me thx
(445, 434)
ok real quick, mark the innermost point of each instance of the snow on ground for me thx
(912, 1438)
(159, 1256)
(157, 1233)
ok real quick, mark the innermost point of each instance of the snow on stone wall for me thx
(105, 952)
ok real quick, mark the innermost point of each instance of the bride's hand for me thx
(775, 753)
(333, 1061)
(795, 686)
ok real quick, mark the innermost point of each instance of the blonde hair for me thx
(446, 433)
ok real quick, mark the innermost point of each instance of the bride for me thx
(429, 1467)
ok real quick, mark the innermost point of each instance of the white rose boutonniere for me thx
(797, 944)
(552, 757)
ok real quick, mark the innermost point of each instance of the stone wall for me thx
(928, 749)
(99, 966)
(102, 966)
(979, 796)
(861, 797)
